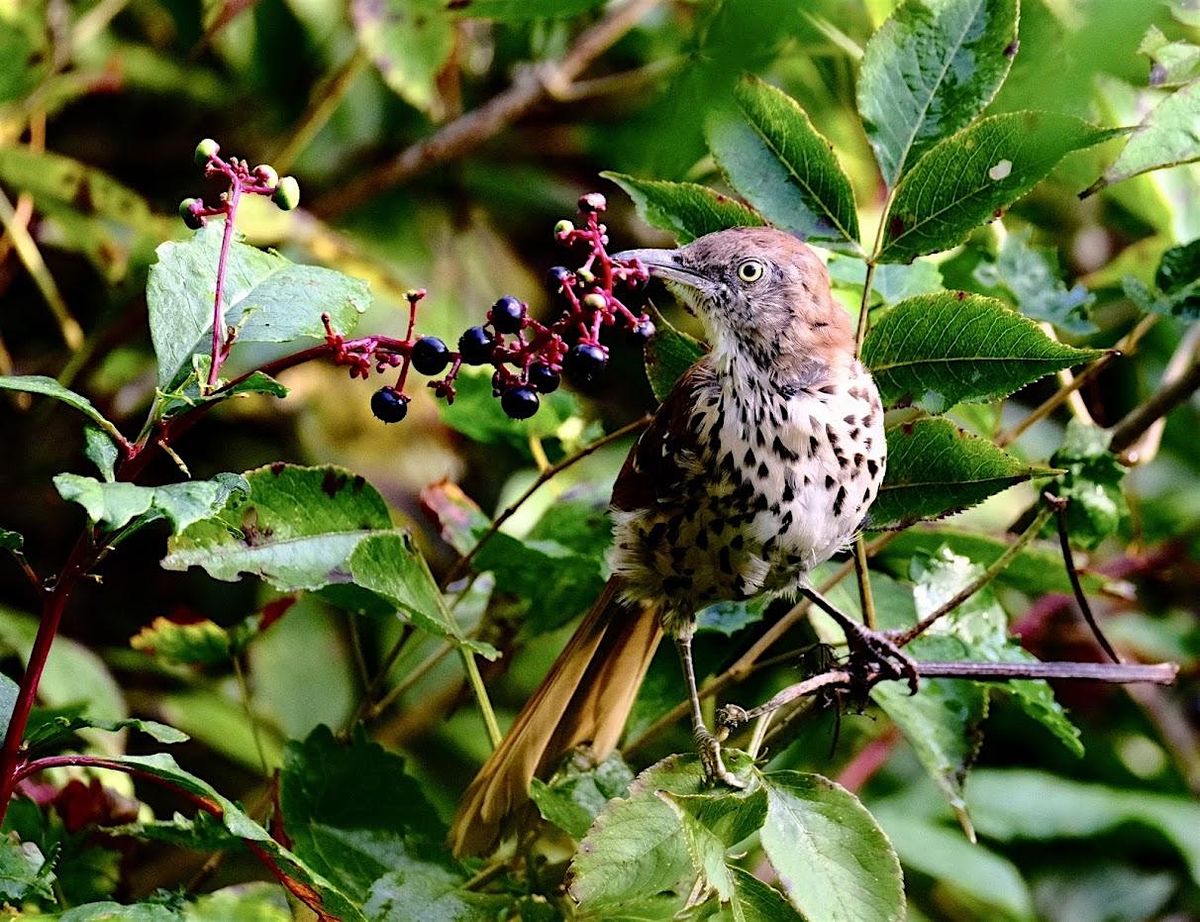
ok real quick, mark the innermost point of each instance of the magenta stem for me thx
(218, 328)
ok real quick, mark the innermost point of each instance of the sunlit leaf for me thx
(685, 209)
(938, 350)
(409, 42)
(892, 282)
(521, 10)
(934, 468)
(928, 71)
(1171, 63)
(114, 505)
(24, 871)
(778, 162)
(1091, 484)
(969, 178)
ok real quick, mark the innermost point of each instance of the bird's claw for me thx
(709, 749)
(874, 652)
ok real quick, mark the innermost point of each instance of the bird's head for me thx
(758, 291)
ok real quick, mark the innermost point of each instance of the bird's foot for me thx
(709, 749)
(872, 652)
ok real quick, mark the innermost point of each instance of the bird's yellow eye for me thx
(751, 270)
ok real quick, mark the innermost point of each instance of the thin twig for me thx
(1055, 400)
(326, 98)
(1059, 505)
(864, 310)
(1127, 431)
(481, 697)
(1145, 447)
(531, 86)
(863, 575)
(461, 565)
(994, 570)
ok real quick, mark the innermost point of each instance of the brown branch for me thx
(1055, 400)
(532, 85)
(1129, 429)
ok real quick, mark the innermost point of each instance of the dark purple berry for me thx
(559, 277)
(543, 378)
(430, 355)
(519, 402)
(389, 405)
(643, 330)
(475, 346)
(585, 363)
(507, 314)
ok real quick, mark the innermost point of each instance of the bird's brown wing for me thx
(667, 456)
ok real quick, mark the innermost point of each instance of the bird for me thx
(761, 463)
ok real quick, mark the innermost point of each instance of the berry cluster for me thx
(529, 357)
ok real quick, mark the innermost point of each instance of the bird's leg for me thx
(707, 745)
(870, 651)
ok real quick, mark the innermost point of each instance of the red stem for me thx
(218, 329)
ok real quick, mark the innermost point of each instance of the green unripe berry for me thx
(205, 151)
(267, 174)
(287, 193)
(563, 227)
(595, 301)
(190, 218)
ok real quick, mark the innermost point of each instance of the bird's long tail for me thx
(585, 698)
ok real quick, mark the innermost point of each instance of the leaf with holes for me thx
(969, 178)
(684, 209)
(935, 469)
(774, 157)
(941, 349)
(928, 71)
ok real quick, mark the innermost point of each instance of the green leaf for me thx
(635, 848)
(969, 178)
(1030, 276)
(476, 414)
(712, 825)
(754, 901)
(669, 354)
(777, 161)
(1092, 484)
(295, 528)
(8, 700)
(249, 902)
(267, 298)
(11, 540)
(52, 729)
(935, 469)
(1167, 137)
(1018, 804)
(98, 447)
(24, 871)
(1171, 63)
(426, 891)
(928, 71)
(39, 384)
(684, 209)
(1176, 284)
(409, 41)
(521, 10)
(891, 283)
(108, 911)
(989, 885)
(351, 811)
(941, 349)
(575, 795)
(216, 718)
(201, 642)
(238, 824)
(833, 860)
(116, 504)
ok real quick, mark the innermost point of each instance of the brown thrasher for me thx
(759, 465)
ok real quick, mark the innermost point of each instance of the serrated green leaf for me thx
(684, 209)
(777, 161)
(969, 178)
(635, 847)
(669, 353)
(432, 893)
(114, 505)
(193, 643)
(928, 71)
(941, 349)
(1166, 137)
(935, 469)
(98, 448)
(352, 812)
(521, 10)
(267, 298)
(754, 901)
(575, 795)
(296, 528)
(713, 824)
(1176, 289)
(1030, 276)
(1091, 484)
(58, 728)
(409, 42)
(39, 384)
(833, 860)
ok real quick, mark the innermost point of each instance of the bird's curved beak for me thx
(665, 264)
